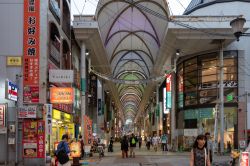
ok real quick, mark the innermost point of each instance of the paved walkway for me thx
(146, 158)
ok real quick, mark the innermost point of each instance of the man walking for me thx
(164, 142)
(132, 142)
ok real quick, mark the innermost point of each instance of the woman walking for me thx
(124, 146)
(199, 153)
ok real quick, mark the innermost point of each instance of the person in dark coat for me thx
(124, 146)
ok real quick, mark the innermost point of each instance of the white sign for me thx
(27, 111)
(61, 76)
(48, 123)
(3, 130)
(10, 91)
(190, 132)
(242, 144)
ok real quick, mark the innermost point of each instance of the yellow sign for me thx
(14, 61)
(67, 117)
(56, 114)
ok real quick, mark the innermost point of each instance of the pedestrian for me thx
(155, 141)
(229, 147)
(199, 153)
(132, 142)
(139, 141)
(63, 151)
(148, 142)
(82, 146)
(164, 142)
(110, 148)
(209, 146)
(124, 146)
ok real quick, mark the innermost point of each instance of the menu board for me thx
(33, 139)
(75, 148)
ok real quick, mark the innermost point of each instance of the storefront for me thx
(62, 123)
(198, 94)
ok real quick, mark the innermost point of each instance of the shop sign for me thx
(202, 113)
(63, 107)
(67, 117)
(34, 139)
(61, 76)
(31, 51)
(56, 114)
(14, 61)
(27, 111)
(77, 99)
(62, 95)
(2, 115)
(11, 90)
(48, 123)
(190, 132)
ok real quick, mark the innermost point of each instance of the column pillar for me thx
(157, 110)
(83, 85)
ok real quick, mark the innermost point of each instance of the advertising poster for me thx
(87, 130)
(27, 111)
(31, 39)
(75, 148)
(33, 139)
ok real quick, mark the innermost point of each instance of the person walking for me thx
(199, 154)
(164, 142)
(132, 142)
(209, 146)
(139, 141)
(155, 141)
(148, 142)
(82, 146)
(124, 146)
(63, 151)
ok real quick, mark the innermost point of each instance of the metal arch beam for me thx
(132, 101)
(134, 5)
(140, 87)
(132, 60)
(135, 90)
(124, 75)
(131, 71)
(134, 87)
(130, 94)
(128, 51)
(134, 32)
(128, 36)
(135, 63)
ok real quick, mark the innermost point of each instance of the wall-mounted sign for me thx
(14, 61)
(191, 132)
(48, 113)
(31, 50)
(56, 114)
(61, 76)
(2, 115)
(11, 91)
(33, 139)
(62, 95)
(27, 111)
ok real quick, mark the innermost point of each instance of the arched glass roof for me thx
(132, 36)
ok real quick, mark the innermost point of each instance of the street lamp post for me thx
(237, 26)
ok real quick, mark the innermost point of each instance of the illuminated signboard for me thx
(61, 95)
(11, 91)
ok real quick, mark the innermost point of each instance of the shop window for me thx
(190, 124)
(55, 44)
(66, 19)
(66, 60)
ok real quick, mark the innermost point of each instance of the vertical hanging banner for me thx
(168, 88)
(48, 113)
(31, 33)
(87, 130)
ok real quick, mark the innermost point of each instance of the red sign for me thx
(41, 139)
(63, 107)
(168, 82)
(33, 139)
(244, 159)
(87, 130)
(31, 52)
